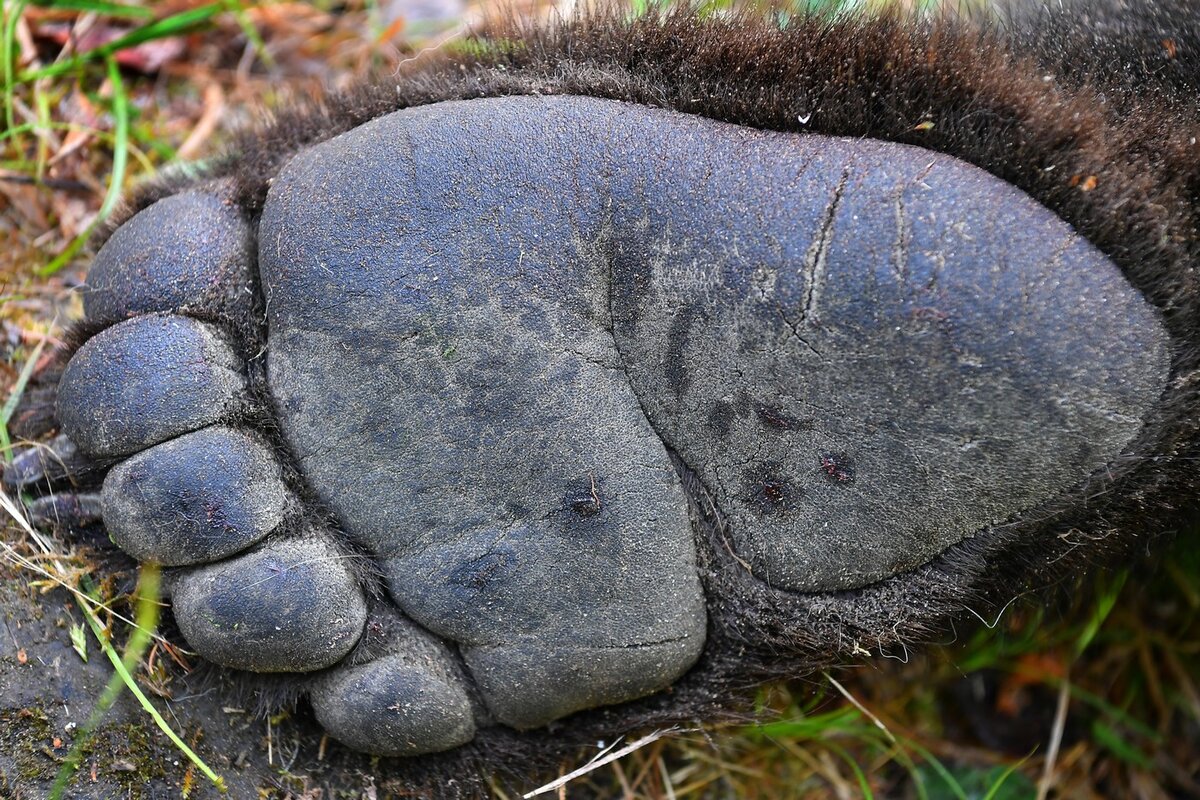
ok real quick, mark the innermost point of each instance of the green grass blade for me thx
(815, 726)
(12, 13)
(1114, 713)
(250, 31)
(864, 786)
(98, 6)
(117, 180)
(901, 757)
(1110, 739)
(1002, 779)
(41, 105)
(147, 621)
(147, 618)
(174, 25)
(1105, 603)
(14, 397)
(937, 766)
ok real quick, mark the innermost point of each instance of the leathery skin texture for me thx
(867, 351)
(496, 418)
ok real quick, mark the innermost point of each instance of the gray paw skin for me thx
(412, 700)
(503, 417)
(291, 605)
(846, 342)
(148, 380)
(840, 338)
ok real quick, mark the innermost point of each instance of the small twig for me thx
(1046, 781)
(601, 760)
(149, 707)
(214, 107)
(10, 405)
(668, 784)
(120, 113)
(148, 586)
(144, 630)
(10, 553)
(854, 701)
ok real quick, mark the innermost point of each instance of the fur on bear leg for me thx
(1124, 173)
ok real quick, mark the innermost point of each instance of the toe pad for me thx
(291, 606)
(407, 703)
(187, 251)
(145, 381)
(198, 498)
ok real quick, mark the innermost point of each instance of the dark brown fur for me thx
(1091, 110)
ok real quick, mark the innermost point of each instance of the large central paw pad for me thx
(490, 325)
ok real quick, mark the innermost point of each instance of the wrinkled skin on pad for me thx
(491, 452)
(811, 323)
(901, 352)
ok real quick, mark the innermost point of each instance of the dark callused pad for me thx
(451, 338)
(198, 498)
(408, 702)
(289, 606)
(555, 622)
(147, 380)
(570, 678)
(189, 251)
(869, 352)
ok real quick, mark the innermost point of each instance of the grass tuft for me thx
(116, 182)
(147, 605)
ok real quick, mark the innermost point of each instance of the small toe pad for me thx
(189, 251)
(409, 702)
(198, 498)
(290, 606)
(147, 380)
(572, 678)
